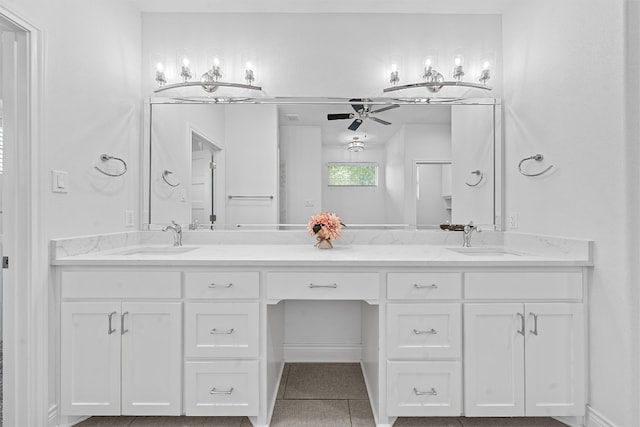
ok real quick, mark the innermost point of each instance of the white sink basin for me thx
(158, 250)
(485, 251)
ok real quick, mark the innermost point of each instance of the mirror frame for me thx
(498, 138)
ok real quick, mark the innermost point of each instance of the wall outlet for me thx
(513, 221)
(129, 220)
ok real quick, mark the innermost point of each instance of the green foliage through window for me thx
(353, 174)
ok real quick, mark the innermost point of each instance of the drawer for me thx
(221, 329)
(523, 285)
(424, 389)
(228, 388)
(424, 286)
(121, 284)
(424, 331)
(323, 286)
(222, 285)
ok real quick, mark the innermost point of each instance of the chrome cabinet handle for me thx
(429, 332)
(214, 391)
(333, 286)
(111, 330)
(214, 331)
(535, 324)
(431, 392)
(122, 329)
(216, 285)
(431, 286)
(521, 331)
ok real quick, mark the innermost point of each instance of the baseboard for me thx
(595, 419)
(336, 353)
(52, 418)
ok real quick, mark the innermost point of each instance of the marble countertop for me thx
(306, 255)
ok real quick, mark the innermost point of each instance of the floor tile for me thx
(361, 415)
(245, 422)
(106, 422)
(427, 422)
(325, 381)
(511, 422)
(311, 413)
(187, 422)
(283, 381)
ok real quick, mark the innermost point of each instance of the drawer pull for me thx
(431, 392)
(122, 329)
(431, 286)
(111, 330)
(214, 331)
(333, 286)
(429, 332)
(214, 391)
(521, 331)
(217, 285)
(535, 324)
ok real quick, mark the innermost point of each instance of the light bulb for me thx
(159, 67)
(216, 61)
(427, 63)
(458, 60)
(394, 68)
(486, 65)
(248, 66)
(185, 61)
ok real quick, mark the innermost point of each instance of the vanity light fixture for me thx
(394, 78)
(485, 74)
(356, 145)
(209, 81)
(161, 78)
(185, 71)
(458, 72)
(434, 81)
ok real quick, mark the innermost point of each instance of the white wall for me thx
(92, 103)
(300, 173)
(580, 129)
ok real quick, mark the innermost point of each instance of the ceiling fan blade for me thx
(339, 116)
(357, 107)
(355, 124)
(388, 107)
(382, 122)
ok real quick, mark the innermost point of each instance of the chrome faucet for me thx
(466, 234)
(177, 232)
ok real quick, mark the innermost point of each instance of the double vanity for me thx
(147, 328)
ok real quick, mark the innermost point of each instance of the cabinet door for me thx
(151, 358)
(494, 359)
(90, 352)
(555, 362)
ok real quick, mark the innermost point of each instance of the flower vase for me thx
(323, 243)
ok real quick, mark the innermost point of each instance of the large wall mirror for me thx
(272, 165)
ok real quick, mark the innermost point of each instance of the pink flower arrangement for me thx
(326, 225)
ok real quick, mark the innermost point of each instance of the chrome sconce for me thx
(161, 78)
(394, 78)
(356, 145)
(249, 77)
(485, 74)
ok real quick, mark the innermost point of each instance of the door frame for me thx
(26, 296)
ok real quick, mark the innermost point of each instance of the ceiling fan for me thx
(363, 111)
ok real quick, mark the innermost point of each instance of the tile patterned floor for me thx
(319, 395)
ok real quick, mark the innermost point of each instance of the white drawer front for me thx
(424, 286)
(221, 329)
(222, 285)
(523, 285)
(121, 284)
(228, 388)
(424, 389)
(424, 331)
(323, 286)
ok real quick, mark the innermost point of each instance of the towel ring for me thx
(165, 174)
(537, 157)
(106, 158)
(480, 177)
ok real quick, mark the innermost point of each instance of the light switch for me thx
(59, 181)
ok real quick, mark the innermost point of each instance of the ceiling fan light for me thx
(355, 146)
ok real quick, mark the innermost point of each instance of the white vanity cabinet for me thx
(121, 355)
(524, 358)
(222, 343)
